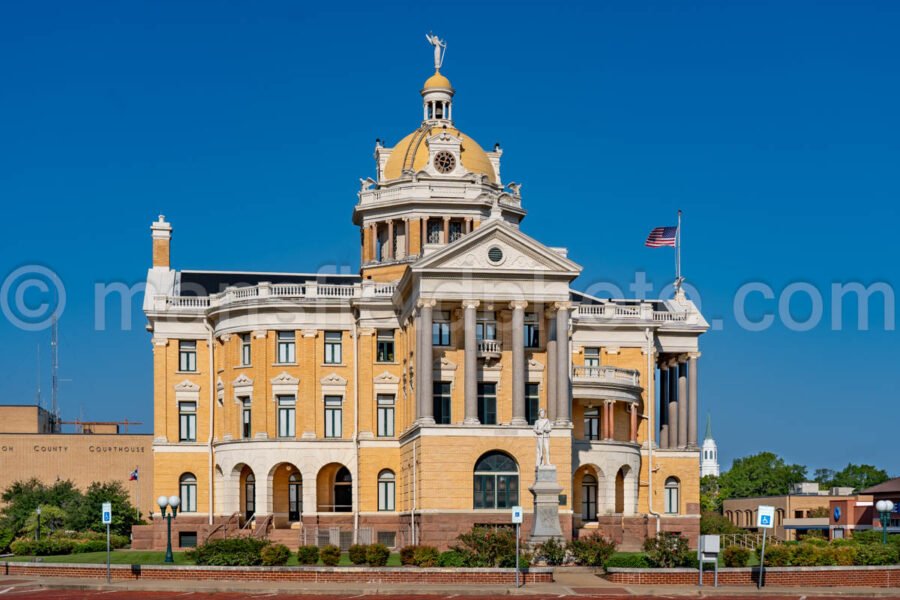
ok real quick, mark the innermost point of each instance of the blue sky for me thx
(773, 125)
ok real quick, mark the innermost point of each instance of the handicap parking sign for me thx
(765, 517)
(106, 509)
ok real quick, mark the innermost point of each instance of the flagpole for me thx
(678, 255)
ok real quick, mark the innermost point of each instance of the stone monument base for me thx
(546, 490)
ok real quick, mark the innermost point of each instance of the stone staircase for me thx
(292, 538)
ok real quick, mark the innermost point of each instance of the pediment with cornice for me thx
(285, 378)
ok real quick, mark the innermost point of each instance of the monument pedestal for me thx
(546, 490)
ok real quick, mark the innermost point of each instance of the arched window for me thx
(589, 498)
(249, 496)
(496, 481)
(673, 489)
(343, 490)
(187, 489)
(387, 486)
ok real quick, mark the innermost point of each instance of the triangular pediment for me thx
(498, 247)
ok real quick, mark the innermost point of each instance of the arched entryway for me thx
(625, 491)
(588, 499)
(334, 489)
(247, 485)
(286, 494)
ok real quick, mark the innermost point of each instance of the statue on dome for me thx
(440, 48)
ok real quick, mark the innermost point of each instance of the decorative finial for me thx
(440, 49)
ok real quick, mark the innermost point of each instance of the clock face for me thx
(444, 162)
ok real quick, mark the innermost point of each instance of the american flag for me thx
(662, 236)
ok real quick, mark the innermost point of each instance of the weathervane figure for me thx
(440, 49)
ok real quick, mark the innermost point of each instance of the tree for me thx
(87, 516)
(859, 477)
(763, 474)
(824, 477)
(23, 497)
(710, 498)
(713, 523)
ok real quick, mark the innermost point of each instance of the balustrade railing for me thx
(607, 374)
(489, 347)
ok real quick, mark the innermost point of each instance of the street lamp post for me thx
(172, 502)
(884, 508)
(38, 531)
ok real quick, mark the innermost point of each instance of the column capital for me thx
(663, 366)
(365, 331)
(158, 340)
(694, 355)
(471, 303)
(518, 304)
(557, 306)
(423, 302)
(260, 333)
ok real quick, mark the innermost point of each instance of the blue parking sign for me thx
(765, 520)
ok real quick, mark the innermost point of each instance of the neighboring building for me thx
(709, 453)
(848, 515)
(29, 449)
(396, 405)
(803, 510)
(889, 490)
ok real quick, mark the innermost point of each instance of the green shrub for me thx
(231, 552)
(592, 550)
(876, 554)
(275, 555)
(668, 550)
(627, 561)
(357, 554)
(426, 556)
(551, 552)
(330, 555)
(844, 554)
(735, 556)
(308, 555)
(451, 558)
(407, 555)
(23, 547)
(377, 555)
(712, 523)
(90, 546)
(487, 546)
(778, 556)
(810, 555)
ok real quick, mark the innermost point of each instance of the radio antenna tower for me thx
(37, 399)
(54, 375)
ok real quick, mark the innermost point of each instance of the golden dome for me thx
(412, 153)
(437, 81)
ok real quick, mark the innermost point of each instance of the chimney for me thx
(162, 236)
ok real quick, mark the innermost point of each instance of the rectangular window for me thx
(386, 494)
(456, 230)
(532, 331)
(532, 402)
(487, 403)
(245, 418)
(441, 395)
(332, 347)
(187, 421)
(671, 499)
(440, 328)
(245, 350)
(188, 492)
(435, 231)
(187, 355)
(385, 415)
(334, 426)
(592, 424)
(187, 539)
(385, 344)
(592, 362)
(486, 327)
(287, 416)
(287, 347)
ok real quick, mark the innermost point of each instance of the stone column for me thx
(390, 240)
(518, 362)
(563, 398)
(374, 239)
(417, 362)
(632, 437)
(673, 405)
(551, 367)
(471, 363)
(468, 224)
(406, 237)
(611, 415)
(682, 403)
(427, 374)
(424, 235)
(663, 406)
(604, 433)
(446, 230)
(692, 401)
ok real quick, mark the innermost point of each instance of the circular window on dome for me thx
(444, 162)
(495, 255)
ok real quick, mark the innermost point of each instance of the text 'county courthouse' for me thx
(394, 406)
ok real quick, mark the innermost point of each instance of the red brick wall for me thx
(774, 576)
(308, 574)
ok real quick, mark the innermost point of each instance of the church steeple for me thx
(709, 452)
(708, 434)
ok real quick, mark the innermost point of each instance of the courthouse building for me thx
(396, 405)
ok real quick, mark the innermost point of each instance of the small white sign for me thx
(107, 513)
(517, 514)
(765, 517)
